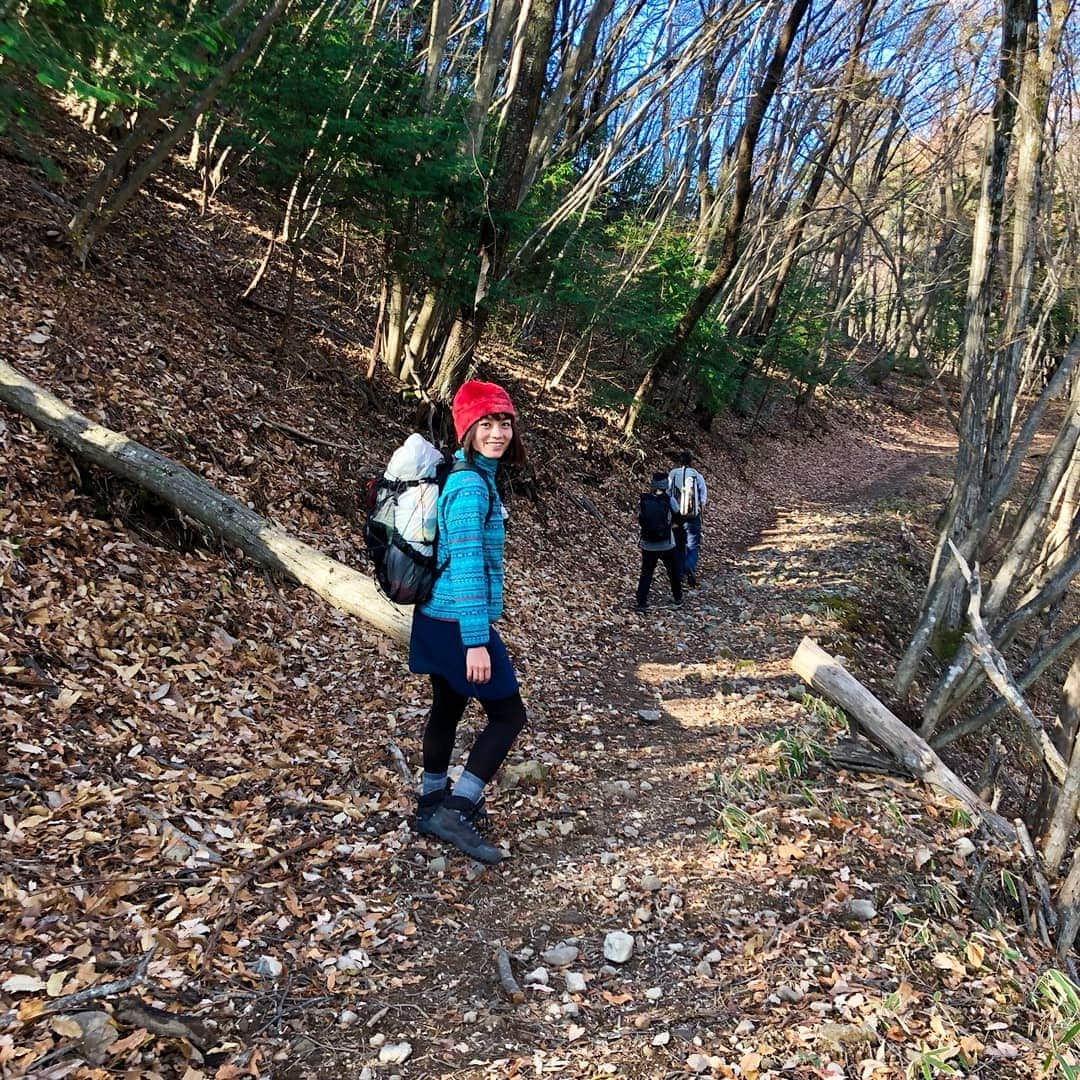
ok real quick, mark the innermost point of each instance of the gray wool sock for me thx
(432, 782)
(469, 786)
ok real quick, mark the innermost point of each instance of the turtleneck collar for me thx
(488, 465)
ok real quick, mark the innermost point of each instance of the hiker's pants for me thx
(649, 559)
(693, 545)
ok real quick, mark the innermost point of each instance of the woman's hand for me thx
(478, 664)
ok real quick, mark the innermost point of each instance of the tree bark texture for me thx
(1031, 112)
(983, 382)
(817, 178)
(1063, 809)
(457, 349)
(1033, 524)
(1000, 677)
(266, 543)
(944, 573)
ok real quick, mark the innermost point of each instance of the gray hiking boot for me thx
(453, 822)
(426, 805)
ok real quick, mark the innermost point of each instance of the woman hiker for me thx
(453, 639)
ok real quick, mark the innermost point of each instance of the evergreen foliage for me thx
(118, 54)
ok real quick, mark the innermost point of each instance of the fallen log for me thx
(266, 543)
(857, 755)
(822, 672)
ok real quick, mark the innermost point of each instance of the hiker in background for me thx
(453, 639)
(689, 495)
(657, 542)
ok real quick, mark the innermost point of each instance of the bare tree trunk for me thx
(1037, 666)
(939, 282)
(441, 12)
(703, 110)
(142, 130)
(393, 345)
(936, 598)
(582, 56)
(669, 355)
(981, 377)
(821, 169)
(1031, 526)
(266, 543)
(523, 108)
(1068, 901)
(1059, 828)
(1038, 72)
(820, 671)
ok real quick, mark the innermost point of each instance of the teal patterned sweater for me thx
(469, 590)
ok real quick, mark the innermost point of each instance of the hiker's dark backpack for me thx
(402, 523)
(654, 517)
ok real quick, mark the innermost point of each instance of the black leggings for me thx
(505, 716)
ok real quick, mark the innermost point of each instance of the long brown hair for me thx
(515, 452)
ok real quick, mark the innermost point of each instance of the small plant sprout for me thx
(1057, 999)
(797, 753)
(1009, 885)
(892, 808)
(821, 710)
(734, 823)
(928, 1064)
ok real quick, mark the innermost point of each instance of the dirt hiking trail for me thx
(679, 803)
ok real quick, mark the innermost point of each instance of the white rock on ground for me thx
(575, 982)
(395, 1053)
(859, 910)
(268, 966)
(618, 947)
(559, 956)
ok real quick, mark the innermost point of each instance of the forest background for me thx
(656, 217)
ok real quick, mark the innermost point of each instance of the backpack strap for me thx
(467, 466)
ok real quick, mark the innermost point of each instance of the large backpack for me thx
(654, 517)
(687, 494)
(402, 524)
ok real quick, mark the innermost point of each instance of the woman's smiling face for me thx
(493, 435)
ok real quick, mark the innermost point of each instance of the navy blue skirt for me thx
(435, 649)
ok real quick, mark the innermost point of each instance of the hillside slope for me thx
(173, 719)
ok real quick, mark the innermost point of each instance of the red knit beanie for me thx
(475, 400)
